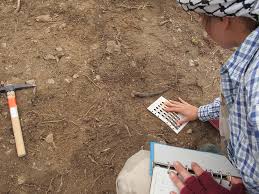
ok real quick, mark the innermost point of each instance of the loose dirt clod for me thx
(49, 138)
(43, 18)
(21, 180)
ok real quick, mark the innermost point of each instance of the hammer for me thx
(17, 131)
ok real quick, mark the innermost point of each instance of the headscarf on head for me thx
(221, 8)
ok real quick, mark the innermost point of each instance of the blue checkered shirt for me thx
(240, 88)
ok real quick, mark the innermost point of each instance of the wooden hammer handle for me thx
(17, 131)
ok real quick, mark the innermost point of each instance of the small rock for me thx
(59, 49)
(20, 180)
(68, 80)
(51, 81)
(195, 41)
(162, 142)
(43, 18)
(98, 77)
(12, 141)
(112, 47)
(94, 46)
(62, 26)
(205, 34)
(189, 131)
(133, 64)
(191, 63)
(179, 30)
(144, 19)
(75, 76)
(49, 57)
(8, 152)
(47, 30)
(53, 25)
(3, 45)
(32, 82)
(49, 138)
(34, 166)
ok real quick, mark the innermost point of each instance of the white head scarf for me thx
(221, 8)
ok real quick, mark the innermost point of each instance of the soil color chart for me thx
(170, 118)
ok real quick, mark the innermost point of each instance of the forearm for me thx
(209, 111)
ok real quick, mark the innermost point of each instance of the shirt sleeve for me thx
(209, 111)
(251, 150)
(252, 88)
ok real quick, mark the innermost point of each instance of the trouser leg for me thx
(134, 177)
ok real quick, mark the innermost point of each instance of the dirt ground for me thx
(87, 56)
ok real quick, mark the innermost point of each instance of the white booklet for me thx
(162, 155)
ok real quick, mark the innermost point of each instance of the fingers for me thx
(182, 101)
(235, 180)
(197, 169)
(172, 102)
(173, 192)
(181, 170)
(173, 109)
(176, 180)
(182, 121)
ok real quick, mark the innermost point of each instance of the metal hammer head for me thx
(13, 87)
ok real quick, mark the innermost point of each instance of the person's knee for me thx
(134, 177)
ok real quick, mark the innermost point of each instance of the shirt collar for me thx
(242, 57)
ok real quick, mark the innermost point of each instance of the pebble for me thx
(133, 64)
(68, 80)
(8, 152)
(205, 34)
(32, 82)
(20, 180)
(145, 19)
(12, 141)
(112, 47)
(195, 41)
(43, 18)
(179, 30)
(189, 131)
(50, 138)
(59, 49)
(62, 26)
(162, 142)
(94, 46)
(75, 76)
(98, 77)
(191, 63)
(51, 81)
(47, 30)
(3, 45)
(50, 57)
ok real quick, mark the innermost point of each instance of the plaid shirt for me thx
(240, 88)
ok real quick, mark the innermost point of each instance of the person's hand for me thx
(202, 183)
(189, 111)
